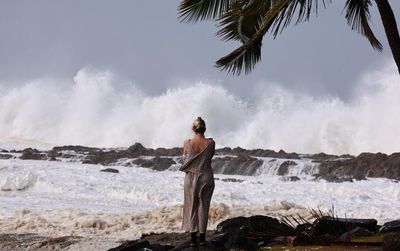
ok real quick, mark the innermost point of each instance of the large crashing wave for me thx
(98, 110)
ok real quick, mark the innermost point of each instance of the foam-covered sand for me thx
(59, 198)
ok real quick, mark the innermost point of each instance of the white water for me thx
(98, 110)
(57, 198)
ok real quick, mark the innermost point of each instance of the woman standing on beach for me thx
(199, 182)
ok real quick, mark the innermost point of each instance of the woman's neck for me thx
(199, 136)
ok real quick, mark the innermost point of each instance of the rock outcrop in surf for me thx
(332, 168)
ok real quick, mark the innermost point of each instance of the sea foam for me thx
(97, 109)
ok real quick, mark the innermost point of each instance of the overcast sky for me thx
(144, 42)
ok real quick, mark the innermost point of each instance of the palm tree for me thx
(248, 21)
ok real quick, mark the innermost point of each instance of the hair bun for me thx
(199, 126)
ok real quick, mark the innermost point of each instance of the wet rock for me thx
(356, 232)
(319, 157)
(12, 242)
(290, 178)
(333, 178)
(224, 151)
(104, 158)
(256, 153)
(250, 226)
(6, 156)
(176, 151)
(338, 226)
(110, 170)
(232, 180)
(32, 154)
(75, 148)
(391, 242)
(284, 167)
(132, 246)
(138, 149)
(392, 226)
(364, 165)
(242, 164)
(157, 163)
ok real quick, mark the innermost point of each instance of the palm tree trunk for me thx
(390, 25)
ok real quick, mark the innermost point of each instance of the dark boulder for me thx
(333, 178)
(338, 226)
(256, 153)
(224, 151)
(6, 156)
(284, 167)
(132, 246)
(138, 149)
(32, 154)
(319, 157)
(392, 226)
(258, 226)
(242, 164)
(391, 242)
(377, 165)
(77, 149)
(176, 151)
(105, 157)
(157, 163)
(232, 180)
(290, 178)
(110, 170)
(356, 232)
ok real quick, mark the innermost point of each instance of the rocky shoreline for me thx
(258, 232)
(241, 233)
(239, 161)
(266, 233)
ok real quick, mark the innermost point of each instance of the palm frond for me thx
(200, 10)
(242, 20)
(302, 8)
(262, 17)
(243, 58)
(248, 55)
(358, 15)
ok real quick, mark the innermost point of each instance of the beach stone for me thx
(392, 226)
(290, 178)
(335, 179)
(132, 246)
(110, 170)
(6, 156)
(232, 180)
(270, 227)
(338, 226)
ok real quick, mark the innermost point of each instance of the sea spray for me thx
(96, 109)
